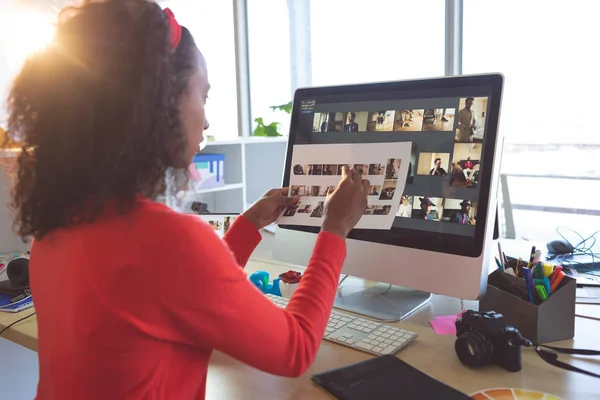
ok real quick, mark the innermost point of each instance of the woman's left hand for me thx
(268, 208)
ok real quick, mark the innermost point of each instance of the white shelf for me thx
(266, 139)
(231, 186)
(249, 140)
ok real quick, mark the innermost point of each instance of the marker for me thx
(541, 291)
(548, 270)
(557, 271)
(518, 267)
(557, 280)
(546, 283)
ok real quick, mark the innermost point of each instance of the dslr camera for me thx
(483, 338)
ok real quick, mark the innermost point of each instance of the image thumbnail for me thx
(318, 211)
(363, 169)
(341, 168)
(326, 189)
(315, 191)
(408, 120)
(412, 165)
(392, 168)
(382, 210)
(433, 164)
(315, 169)
(380, 121)
(298, 190)
(375, 190)
(216, 225)
(291, 210)
(457, 211)
(471, 119)
(304, 209)
(466, 162)
(356, 121)
(405, 209)
(299, 169)
(330, 169)
(439, 119)
(328, 122)
(376, 169)
(227, 223)
(369, 210)
(427, 208)
(388, 189)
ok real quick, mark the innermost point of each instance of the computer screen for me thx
(452, 126)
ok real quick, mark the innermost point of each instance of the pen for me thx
(518, 268)
(528, 282)
(501, 255)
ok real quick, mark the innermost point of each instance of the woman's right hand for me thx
(346, 204)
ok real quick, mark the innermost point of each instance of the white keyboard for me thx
(359, 333)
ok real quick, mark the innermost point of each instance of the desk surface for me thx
(431, 353)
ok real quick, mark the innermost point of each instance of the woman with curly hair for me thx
(132, 297)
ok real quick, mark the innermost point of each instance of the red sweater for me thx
(131, 306)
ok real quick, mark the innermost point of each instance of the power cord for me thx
(16, 322)
(584, 247)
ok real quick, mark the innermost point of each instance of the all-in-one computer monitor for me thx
(440, 240)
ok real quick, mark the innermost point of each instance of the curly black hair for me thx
(97, 112)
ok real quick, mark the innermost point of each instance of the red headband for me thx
(175, 28)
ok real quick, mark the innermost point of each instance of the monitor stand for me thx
(384, 302)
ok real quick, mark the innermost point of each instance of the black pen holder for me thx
(548, 321)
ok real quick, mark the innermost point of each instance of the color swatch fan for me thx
(512, 394)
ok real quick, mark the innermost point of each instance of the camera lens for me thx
(473, 349)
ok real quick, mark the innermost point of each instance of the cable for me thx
(581, 248)
(16, 322)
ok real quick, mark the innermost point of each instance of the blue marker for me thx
(547, 285)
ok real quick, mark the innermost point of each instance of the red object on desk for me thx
(557, 278)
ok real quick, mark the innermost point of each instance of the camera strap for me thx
(551, 357)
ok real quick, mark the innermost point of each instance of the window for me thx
(354, 41)
(269, 60)
(550, 162)
(213, 29)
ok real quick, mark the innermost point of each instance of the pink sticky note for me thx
(445, 325)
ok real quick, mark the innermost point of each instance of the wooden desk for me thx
(431, 353)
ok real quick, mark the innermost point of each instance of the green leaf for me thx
(266, 130)
(284, 107)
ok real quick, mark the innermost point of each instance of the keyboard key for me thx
(345, 319)
(399, 343)
(385, 335)
(407, 336)
(389, 350)
(366, 341)
(378, 349)
(364, 346)
(352, 326)
(349, 341)
(388, 341)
